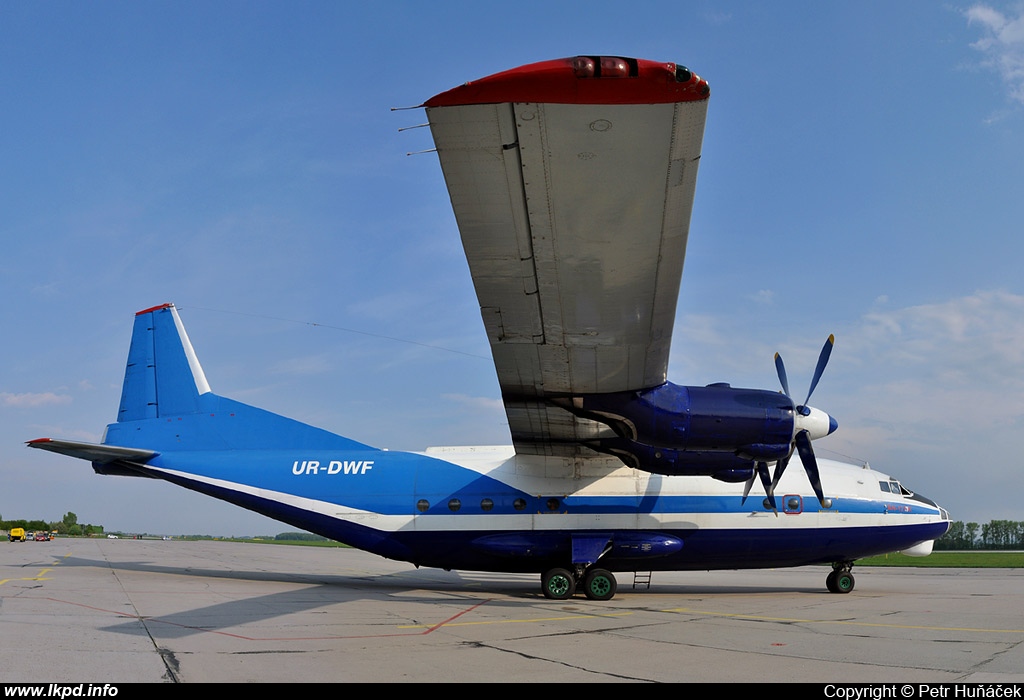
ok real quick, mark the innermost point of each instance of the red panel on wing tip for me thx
(582, 80)
(38, 440)
(154, 308)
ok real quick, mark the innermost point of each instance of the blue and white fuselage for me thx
(473, 509)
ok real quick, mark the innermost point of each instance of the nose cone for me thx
(817, 423)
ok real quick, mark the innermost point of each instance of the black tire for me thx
(600, 584)
(844, 582)
(830, 582)
(558, 584)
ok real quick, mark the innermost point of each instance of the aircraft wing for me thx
(572, 183)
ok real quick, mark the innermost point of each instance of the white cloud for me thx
(979, 338)
(1002, 45)
(33, 400)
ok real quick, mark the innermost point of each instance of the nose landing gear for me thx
(841, 579)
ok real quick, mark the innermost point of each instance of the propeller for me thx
(769, 486)
(810, 423)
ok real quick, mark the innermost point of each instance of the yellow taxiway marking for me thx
(37, 577)
(766, 618)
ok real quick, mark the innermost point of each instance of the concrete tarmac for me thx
(109, 611)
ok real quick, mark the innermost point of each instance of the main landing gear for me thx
(841, 579)
(561, 584)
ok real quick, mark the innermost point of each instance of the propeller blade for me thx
(803, 446)
(781, 370)
(826, 351)
(746, 487)
(762, 471)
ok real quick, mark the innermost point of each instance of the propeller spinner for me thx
(809, 424)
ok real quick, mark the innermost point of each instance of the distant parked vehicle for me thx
(42, 537)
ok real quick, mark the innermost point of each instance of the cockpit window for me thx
(896, 487)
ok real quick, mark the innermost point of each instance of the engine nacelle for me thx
(711, 430)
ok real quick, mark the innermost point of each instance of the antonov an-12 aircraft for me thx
(572, 183)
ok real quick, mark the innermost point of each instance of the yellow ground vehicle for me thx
(17, 534)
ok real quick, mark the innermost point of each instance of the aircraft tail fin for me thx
(167, 403)
(172, 386)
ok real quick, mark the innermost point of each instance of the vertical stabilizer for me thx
(163, 376)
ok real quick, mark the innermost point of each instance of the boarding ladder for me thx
(641, 579)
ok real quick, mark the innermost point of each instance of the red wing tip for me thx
(582, 80)
(39, 440)
(155, 308)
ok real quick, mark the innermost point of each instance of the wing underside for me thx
(574, 219)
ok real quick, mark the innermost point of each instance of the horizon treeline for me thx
(995, 534)
(68, 525)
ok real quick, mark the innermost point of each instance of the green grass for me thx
(979, 559)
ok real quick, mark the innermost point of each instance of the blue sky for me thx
(862, 174)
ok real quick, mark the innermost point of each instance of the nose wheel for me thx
(561, 584)
(841, 579)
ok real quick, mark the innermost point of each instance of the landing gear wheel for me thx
(844, 582)
(558, 584)
(841, 579)
(600, 584)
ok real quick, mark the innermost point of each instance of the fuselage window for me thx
(454, 505)
(884, 485)
(423, 505)
(486, 504)
(519, 504)
(553, 504)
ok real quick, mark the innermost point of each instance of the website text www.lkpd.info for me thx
(61, 690)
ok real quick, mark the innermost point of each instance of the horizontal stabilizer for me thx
(92, 452)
